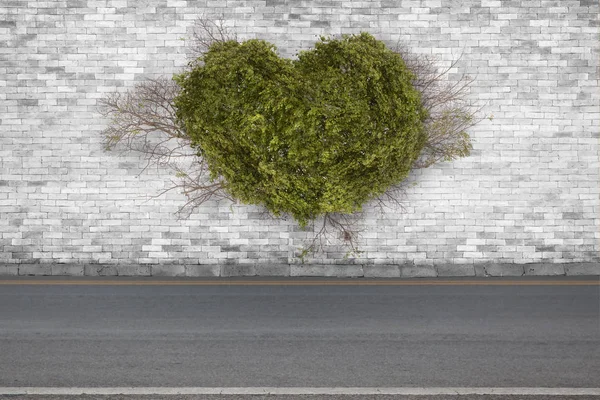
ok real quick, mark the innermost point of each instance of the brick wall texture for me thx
(529, 193)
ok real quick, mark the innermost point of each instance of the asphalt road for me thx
(451, 335)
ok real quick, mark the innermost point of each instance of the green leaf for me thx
(324, 133)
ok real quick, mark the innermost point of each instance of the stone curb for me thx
(500, 270)
(300, 270)
(544, 269)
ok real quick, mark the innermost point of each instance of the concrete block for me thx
(455, 270)
(480, 270)
(272, 269)
(504, 269)
(67, 269)
(35, 269)
(417, 271)
(582, 269)
(307, 270)
(381, 271)
(202, 270)
(343, 270)
(9, 270)
(134, 270)
(544, 269)
(100, 270)
(168, 270)
(238, 270)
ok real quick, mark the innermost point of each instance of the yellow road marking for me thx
(296, 283)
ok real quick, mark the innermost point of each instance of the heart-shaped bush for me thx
(321, 134)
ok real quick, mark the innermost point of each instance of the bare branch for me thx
(392, 198)
(450, 113)
(208, 30)
(146, 109)
(144, 120)
(334, 228)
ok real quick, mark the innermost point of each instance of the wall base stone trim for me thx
(9, 270)
(503, 270)
(582, 269)
(202, 270)
(168, 270)
(308, 270)
(304, 270)
(68, 269)
(35, 269)
(135, 270)
(544, 269)
(381, 271)
(455, 270)
(273, 270)
(238, 270)
(344, 271)
(421, 271)
(100, 270)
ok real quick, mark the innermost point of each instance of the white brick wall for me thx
(529, 193)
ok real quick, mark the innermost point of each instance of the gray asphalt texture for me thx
(284, 336)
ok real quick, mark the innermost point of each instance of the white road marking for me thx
(407, 391)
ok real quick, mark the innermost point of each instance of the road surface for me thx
(536, 332)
